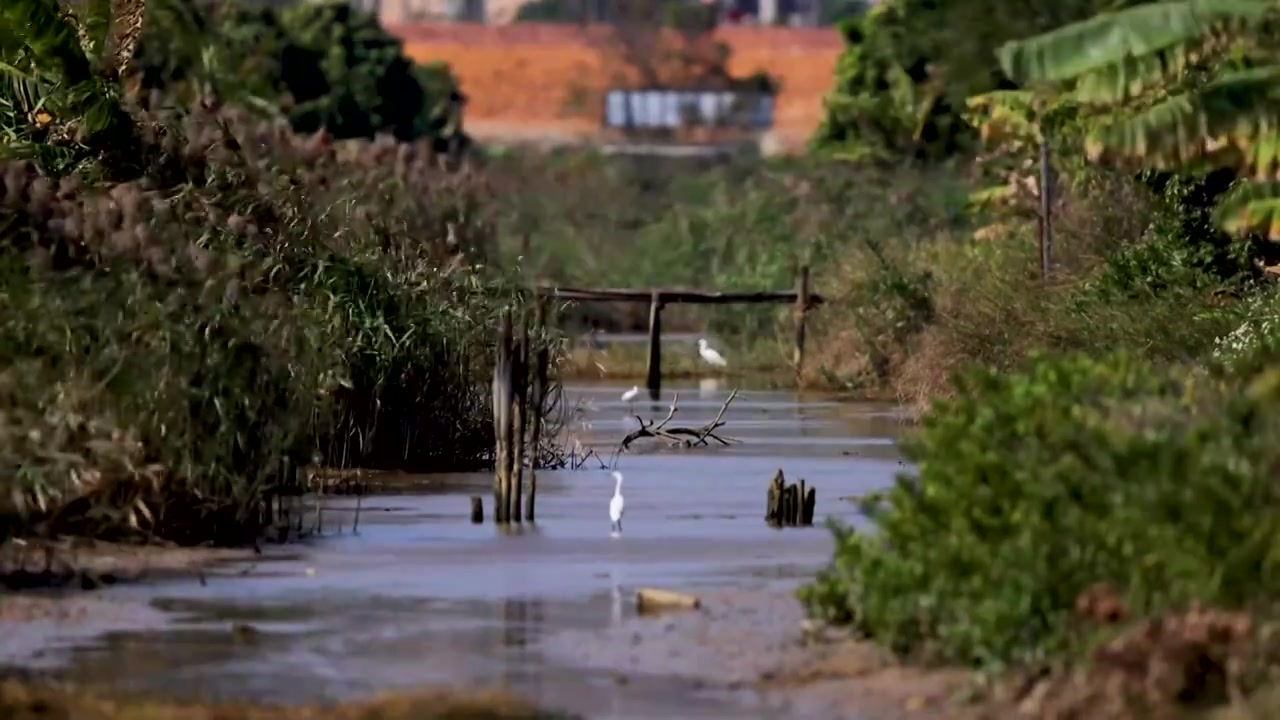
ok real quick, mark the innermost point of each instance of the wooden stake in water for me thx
(537, 401)
(519, 413)
(654, 377)
(502, 393)
(801, 310)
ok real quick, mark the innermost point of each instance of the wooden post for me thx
(801, 310)
(1046, 207)
(789, 505)
(810, 504)
(538, 400)
(519, 415)
(654, 381)
(773, 508)
(800, 495)
(477, 509)
(502, 420)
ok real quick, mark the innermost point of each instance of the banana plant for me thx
(61, 67)
(1191, 84)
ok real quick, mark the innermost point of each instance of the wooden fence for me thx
(801, 298)
(520, 379)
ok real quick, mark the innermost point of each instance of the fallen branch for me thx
(677, 436)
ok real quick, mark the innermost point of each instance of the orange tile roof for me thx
(545, 81)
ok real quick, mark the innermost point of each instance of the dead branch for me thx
(677, 436)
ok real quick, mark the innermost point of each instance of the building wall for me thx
(543, 82)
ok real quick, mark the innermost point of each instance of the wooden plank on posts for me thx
(654, 381)
(519, 413)
(502, 420)
(540, 369)
(681, 296)
(801, 310)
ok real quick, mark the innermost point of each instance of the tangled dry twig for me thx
(677, 436)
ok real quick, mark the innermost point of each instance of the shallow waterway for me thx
(421, 597)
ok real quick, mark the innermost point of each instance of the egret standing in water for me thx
(631, 394)
(711, 356)
(616, 504)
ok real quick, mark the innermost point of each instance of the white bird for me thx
(711, 356)
(616, 504)
(631, 394)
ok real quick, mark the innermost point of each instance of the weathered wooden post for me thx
(654, 381)
(810, 505)
(538, 401)
(773, 508)
(1046, 207)
(519, 415)
(800, 502)
(502, 393)
(801, 310)
(477, 509)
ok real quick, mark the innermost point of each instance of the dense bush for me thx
(1032, 487)
(321, 64)
(257, 297)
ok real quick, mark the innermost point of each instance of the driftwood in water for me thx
(477, 509)
(654, 600)
(678, 436)
(789, 505)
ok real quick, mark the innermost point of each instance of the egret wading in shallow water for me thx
(631, 394)
(616, 504)
(711, 356)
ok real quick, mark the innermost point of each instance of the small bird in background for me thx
(709, 355)
(616, 506)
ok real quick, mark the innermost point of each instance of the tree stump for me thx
(477, 509)
(810, 504)
(773, 508)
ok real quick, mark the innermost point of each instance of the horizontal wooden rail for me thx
(675, 295)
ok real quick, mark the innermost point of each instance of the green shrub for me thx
(1035, 485)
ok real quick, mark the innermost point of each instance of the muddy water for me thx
(419, 596)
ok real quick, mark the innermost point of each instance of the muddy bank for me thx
(87, 564)
(21, 700)
(758, 641)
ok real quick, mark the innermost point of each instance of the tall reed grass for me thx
(257, 302)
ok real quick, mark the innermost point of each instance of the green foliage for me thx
(1179, 84)
(909, 65)
(60, 94)
(321, 64)
(1035, 485)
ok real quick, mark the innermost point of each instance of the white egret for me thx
(616, 505)
(711, 356)
(631, 394)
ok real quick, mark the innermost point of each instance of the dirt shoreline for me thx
(23, 700)
(759, 640)
(87, 564)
